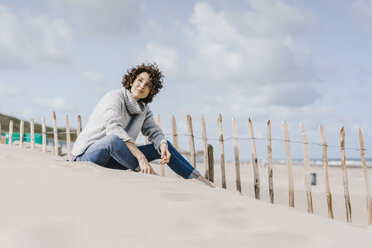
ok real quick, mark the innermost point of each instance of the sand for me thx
(357, 188)
(49, 202)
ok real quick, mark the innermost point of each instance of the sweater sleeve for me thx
(112, 117)
(152, 130)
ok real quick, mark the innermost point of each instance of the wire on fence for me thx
(273, 139)
(241, 138)
(71, 132)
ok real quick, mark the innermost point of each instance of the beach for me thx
(49, 202)
(357, 188)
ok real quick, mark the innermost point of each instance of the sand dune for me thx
(48, 202)
(357, 188)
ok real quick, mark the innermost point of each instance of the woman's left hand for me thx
(165, 154)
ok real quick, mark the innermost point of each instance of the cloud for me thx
(102, 17)
(296, 95)
(27, 39)
(256, 49)
(8, 90)
(57, 104)
(223, 52)
(165, 56)
(95, 80)
(277, 18)
(284, 101)
(363, 8)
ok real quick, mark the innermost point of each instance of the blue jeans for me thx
(112, 152)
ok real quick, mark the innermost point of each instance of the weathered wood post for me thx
(10, 137)
(158, 121)
(78, 126)
(55, 133)
(344, 177)
(174, 132)
(21, 132)
(325, 164)
(236, 153)
(162, 166)
(309, 195)
(205, 145)
(289, 165)
(366, 179)
(270, 162)
(175, 135)
(222, 151)
(254, 162)
(68, 139)
(44, 135)
(145, 140)
(191, 140)
(32, 131)
(210, 163)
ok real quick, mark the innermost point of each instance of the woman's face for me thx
(141, 86)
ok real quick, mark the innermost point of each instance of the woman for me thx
(109, 136)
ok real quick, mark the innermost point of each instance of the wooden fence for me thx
(209, 158)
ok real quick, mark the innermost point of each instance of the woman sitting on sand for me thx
(109, 136)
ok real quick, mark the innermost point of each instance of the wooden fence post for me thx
(175, 136)
(366, 179)
(205, 146)
(10, 134)
(68, 139)
(289, 165)
(210, 163)
(270, 162)
(344, 177)
(307, 170)
(55, 133)
(174, 132)
(191, 140)
(21, 132)
(32, 131)
(254, 162)
(145, 140)
(44, 135)
(162, 166)
(236, 153)
(78, 126)
(325, 164)
(222, 151)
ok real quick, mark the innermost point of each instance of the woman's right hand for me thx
(145, 165)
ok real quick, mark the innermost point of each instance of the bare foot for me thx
(206, 181)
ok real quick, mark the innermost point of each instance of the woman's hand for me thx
(165, 154)
(145, 165)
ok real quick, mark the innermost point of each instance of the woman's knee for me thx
(97, 156)
(169, 144)
(112, 142)
(171, 148)
(112, 139)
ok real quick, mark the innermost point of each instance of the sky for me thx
(303, 61)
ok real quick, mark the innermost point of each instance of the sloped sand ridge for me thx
(48, 202)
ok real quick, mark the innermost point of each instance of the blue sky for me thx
(299, 61)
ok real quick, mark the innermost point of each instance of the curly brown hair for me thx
(156, 79)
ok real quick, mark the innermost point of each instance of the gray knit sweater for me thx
(118, 113)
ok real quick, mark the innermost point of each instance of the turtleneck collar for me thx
(134, 107)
